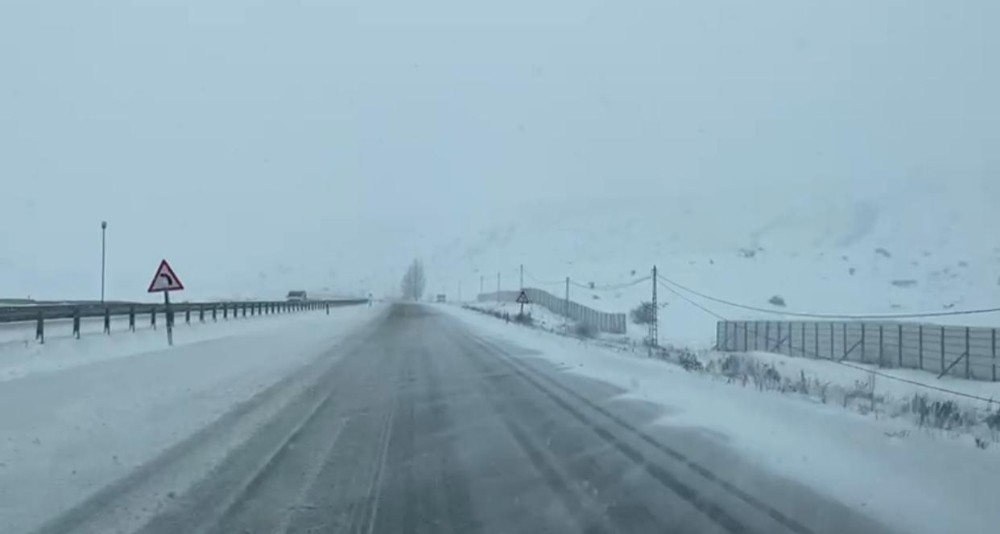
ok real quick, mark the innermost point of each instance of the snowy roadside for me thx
(27, 357)
(99, 410)
(917, 480)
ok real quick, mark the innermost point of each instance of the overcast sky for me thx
(261, 145)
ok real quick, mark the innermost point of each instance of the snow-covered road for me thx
(433, 418)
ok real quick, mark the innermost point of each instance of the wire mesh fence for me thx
(612, 323)
(960, 351)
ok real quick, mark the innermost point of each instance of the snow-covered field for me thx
(80, 414)
(922, 481)
(911, 248)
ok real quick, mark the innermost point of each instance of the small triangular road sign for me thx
(523, 298)
(165, 279)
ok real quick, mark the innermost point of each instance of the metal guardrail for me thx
(201, 311)
(960, 351)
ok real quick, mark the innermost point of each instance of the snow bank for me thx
(90, 411)
(23, 357)
(918, 482)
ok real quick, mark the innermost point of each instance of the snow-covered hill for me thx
(906, 248)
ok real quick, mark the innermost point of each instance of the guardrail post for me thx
(215, 317)
(187, 314)
(328, 308)
(131, 318)
(152, 317)
(76, 322)
(225, 312)
(107, 321)
(40, 329)
(244, 306)
(253, 310)
(201, 313)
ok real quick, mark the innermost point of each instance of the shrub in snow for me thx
(586, 330)
(883, 252)
(524, 318)
(777, 301)
(642, 314)
(690, 362)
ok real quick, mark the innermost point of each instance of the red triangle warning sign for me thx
(165, 279)
(523, 298)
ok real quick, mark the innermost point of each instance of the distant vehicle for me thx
(440, 298)
(296, 296)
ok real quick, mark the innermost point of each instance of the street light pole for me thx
(104, 231)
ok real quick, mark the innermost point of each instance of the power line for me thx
(544, 282)
(613, 287)
(829, 315)
(693, 303)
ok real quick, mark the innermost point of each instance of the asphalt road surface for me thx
(417, 425)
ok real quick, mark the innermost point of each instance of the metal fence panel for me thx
(612, 323)
(959, 351)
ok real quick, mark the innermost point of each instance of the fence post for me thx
(831, 342)
(746, 336)
(900, 346)
(767, 336)
(994, 354)
(863, 360)
(779, 338)
(76, 322)
(942, 349)
(920, 346)
(968, 355)
(40, 329)
(816, 339)
(107, 320)
(881, 361)
(843, 331)
(802, 332)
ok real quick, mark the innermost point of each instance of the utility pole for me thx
(498, 287)
(522, 276)
(654, 334)
(104, 231)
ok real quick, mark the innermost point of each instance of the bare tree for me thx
(414, 281)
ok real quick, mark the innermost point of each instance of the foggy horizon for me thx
(266, 147)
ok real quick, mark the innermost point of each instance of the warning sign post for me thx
(523, 299)
(165, 281)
